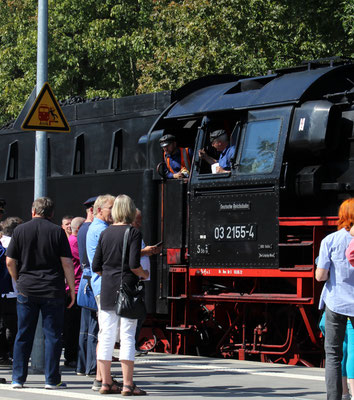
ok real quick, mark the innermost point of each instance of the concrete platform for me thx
(186, 377)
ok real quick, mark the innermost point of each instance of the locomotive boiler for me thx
(236, 274)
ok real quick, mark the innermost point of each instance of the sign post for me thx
(40, 166)
(45, 115)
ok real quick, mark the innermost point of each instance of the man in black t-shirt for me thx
(38, 258)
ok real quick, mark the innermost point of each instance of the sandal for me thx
(133, 391)
(112, 388)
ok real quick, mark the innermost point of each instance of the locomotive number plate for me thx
(235, 232)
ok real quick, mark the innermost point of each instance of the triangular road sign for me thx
(46, 114)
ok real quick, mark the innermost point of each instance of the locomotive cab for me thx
(240, 233)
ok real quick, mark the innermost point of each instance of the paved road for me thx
(185, 377)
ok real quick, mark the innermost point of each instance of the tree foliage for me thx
(124, 47)
(192, 38)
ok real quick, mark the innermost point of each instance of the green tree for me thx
(348, 22)
(93, 47)
(123, 47)
(93, 51)
(192, 38)
(18, 40)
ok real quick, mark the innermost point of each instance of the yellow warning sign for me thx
(46, 114)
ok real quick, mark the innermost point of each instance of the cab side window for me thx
(259, 147)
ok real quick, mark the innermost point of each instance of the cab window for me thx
(259, 147)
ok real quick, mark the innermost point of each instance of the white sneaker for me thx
(16, 385)
(60, 385)
(346, 396)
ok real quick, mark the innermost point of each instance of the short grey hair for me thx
(101, 201)
(76, 223)
(124, 209)
(44, 207)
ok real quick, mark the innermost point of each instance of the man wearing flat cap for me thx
(220, 141)
(177, 159)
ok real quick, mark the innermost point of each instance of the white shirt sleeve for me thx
(145, 261)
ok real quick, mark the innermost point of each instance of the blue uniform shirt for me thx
(81, 243)
(175, 162)
(338, 291)
(225, 157)
(93, 234)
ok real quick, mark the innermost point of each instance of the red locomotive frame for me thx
(183, 298)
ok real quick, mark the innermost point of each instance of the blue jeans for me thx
(52, 311)
(86, 360)
(336, 325)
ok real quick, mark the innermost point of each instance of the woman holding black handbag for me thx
(117, 259)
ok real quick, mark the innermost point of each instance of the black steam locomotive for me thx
(236, 274)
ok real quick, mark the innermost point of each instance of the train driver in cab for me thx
(219, 139)
(177, 159)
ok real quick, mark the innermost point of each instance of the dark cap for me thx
(216, 134)
(166, 140)
(90, 202)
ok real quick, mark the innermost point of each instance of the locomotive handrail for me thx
(303, 243)
(200, 143)
(234, 190)
(235, 142)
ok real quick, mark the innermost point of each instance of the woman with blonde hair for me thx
(337, 296)
(108, 263)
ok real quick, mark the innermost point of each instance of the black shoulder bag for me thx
(130, 301)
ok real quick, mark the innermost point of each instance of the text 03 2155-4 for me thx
(236, 232)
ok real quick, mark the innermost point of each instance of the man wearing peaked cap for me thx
(86, 360)
(166, 140)
(220, 141)
(90, 202)
(177, 159)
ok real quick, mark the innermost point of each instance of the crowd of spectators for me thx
(46, 266)
(50, 269)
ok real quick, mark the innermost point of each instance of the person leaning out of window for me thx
(219, 139)
(107, 262)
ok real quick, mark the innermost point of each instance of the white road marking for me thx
(55, 392)
(279, 374)
(67, 393)
(6, 398)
